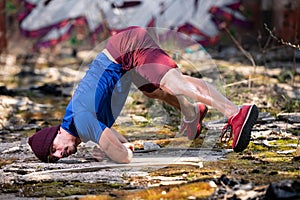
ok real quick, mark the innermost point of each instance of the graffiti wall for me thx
(52, 21)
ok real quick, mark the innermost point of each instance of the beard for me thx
(73, 150)
(70, 150)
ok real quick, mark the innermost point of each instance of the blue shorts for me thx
(98, 99)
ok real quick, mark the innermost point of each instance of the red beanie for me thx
(41, 141)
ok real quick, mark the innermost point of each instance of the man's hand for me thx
(114, 148)
(98, 154)
(130, 149)
(129, 146)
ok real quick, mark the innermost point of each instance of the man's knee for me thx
(156, 94)
(173, 82)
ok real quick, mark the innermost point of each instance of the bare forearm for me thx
(121, 138)
(113, 148)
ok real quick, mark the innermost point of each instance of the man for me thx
(133, 56)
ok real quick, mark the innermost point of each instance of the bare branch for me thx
(296, 46)
(247, 54)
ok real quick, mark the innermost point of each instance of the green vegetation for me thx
(59, 189)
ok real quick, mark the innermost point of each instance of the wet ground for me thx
(166, 164)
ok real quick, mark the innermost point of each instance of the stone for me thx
(265, 117)
(235, 189)
(286, 151)
(290, 117)
(150, 146)
(283, 190)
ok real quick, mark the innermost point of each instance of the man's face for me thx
(61, 147)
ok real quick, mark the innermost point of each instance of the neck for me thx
(69, 136)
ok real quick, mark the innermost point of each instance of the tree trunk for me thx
(3, 41)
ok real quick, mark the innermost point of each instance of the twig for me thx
(296, 46)
(247, 54)
(294, 57)
(297, 153)
(281, 41)
(240, 82)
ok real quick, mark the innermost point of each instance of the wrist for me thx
(130, 154)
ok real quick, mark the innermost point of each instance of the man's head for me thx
(51, 144)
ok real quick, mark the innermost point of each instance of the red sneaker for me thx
(240, 126)
(193, 128)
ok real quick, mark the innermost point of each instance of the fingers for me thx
(129, 146)
(119, 136)
(113, 148)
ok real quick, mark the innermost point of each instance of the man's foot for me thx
(193, 128)
(240, 125)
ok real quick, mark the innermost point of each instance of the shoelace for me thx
(182, 127)
(226, 135)
(184, 123)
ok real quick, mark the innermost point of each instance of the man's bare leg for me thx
(193, 113)
(177, 84)
(179, 102)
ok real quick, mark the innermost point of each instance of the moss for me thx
(281, 142)
(165, 131)
(59, 189)
(141, 124)
(295, 132)
(274, 157)
(97, 197)
(290, 105)
(6, 161)
(255, 147)
(259, 167)
(198, 190)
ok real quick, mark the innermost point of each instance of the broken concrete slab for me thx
(290, 117)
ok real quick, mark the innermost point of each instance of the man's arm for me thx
(111, 143)
(119, 136)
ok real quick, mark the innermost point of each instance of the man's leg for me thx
(193, 114)
(179, 102)
(177, 84)
(240, 121)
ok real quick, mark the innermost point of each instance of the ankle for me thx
(193, 116)
(233, 113)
